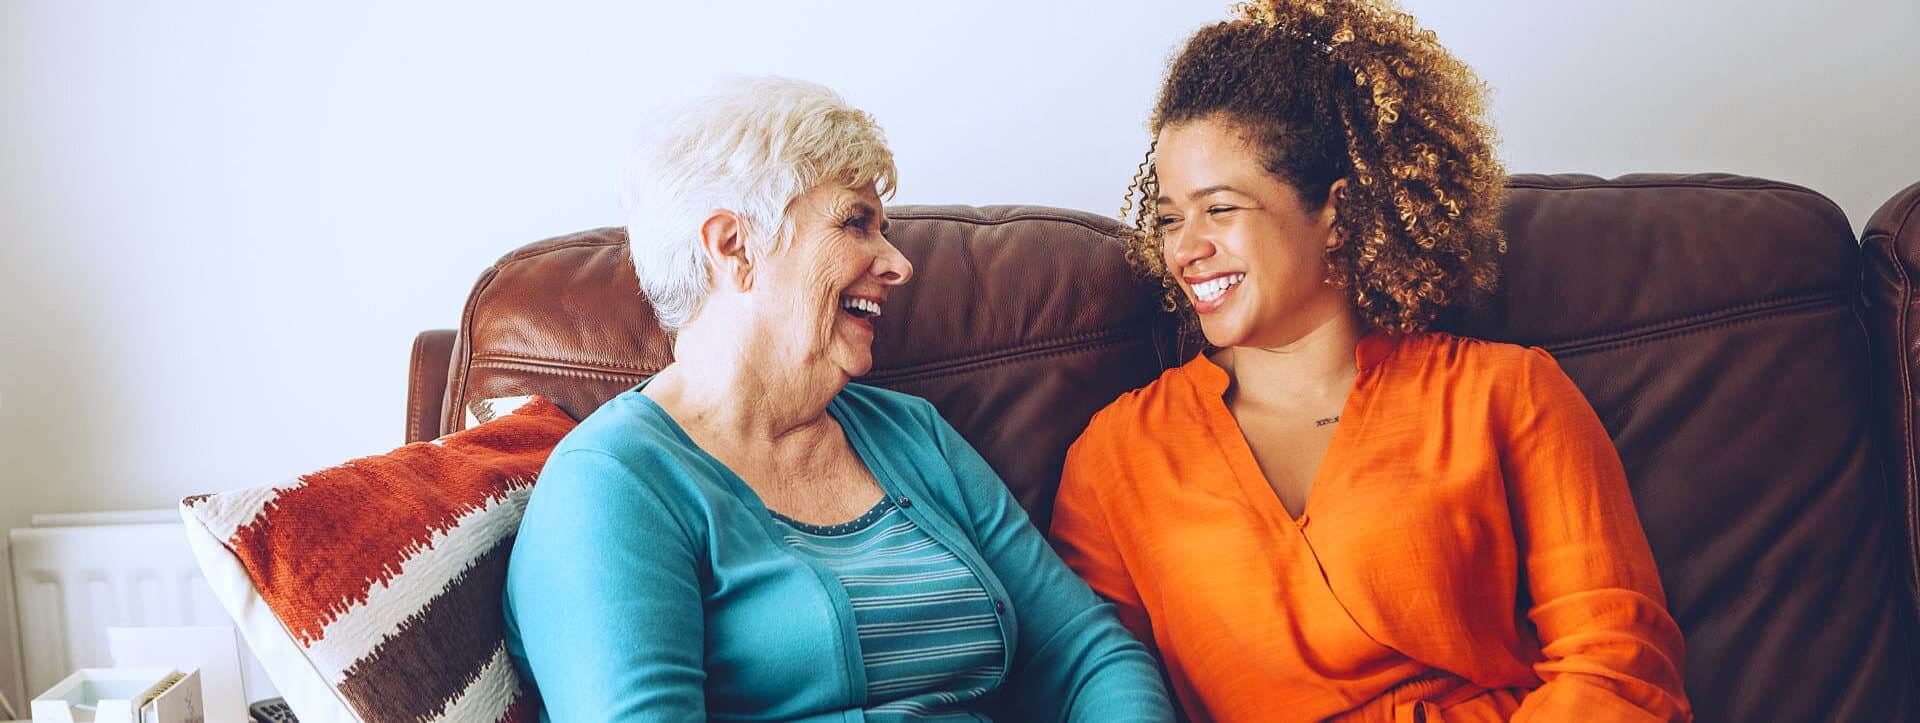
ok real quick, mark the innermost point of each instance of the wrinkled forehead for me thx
(838, 196)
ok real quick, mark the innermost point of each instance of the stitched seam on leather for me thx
(1020, 350)
(413, 389)
(1707, 317)
(549, 362)
(1605, 184)
(1000, 361)
(939, 216)
(1765, 186)
(1740, 320)
(550, 370)
(542, 367)
(1901, 336)
(558, 361)
(450, 417)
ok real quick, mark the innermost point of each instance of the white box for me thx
(122, 695)
(213, 651)
(179, 702)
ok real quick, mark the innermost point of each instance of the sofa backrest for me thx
(1713, 321)
(1020, 323)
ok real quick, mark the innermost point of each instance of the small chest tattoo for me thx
(1326, 421)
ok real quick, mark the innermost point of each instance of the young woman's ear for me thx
(723, 241)
(1330, 213)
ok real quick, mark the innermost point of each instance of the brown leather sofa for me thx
(1754, 362)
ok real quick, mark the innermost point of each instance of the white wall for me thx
(222, 222)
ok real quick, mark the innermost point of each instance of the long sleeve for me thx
(603, 597)
(1075, 661)
(1612, 651)
(1084, 538)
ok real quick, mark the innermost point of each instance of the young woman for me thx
(1334, 512)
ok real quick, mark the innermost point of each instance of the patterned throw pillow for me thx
(371, 590)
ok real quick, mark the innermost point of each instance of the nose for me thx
(1185, 246)
(891, 266)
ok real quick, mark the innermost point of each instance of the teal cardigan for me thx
(648, 582)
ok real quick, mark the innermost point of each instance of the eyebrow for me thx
(1202, 193)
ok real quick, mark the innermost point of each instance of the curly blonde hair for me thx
(1354, 89)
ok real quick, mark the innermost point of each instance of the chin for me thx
(856, 363)
(1222, 333)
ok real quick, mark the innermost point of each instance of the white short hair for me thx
(751, 147)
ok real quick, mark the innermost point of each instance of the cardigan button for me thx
(999, 607)
(905, 501)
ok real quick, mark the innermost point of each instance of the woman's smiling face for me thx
(1247, 251)
(832, 277)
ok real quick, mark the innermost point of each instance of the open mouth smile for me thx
(860, 307)
(1210, 293)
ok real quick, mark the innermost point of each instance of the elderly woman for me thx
(747, 535)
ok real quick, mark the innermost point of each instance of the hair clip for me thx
(1302, 36)
(1260, 13)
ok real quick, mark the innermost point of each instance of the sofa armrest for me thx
(427, 383)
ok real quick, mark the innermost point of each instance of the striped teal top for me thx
(929, 637)
(648, 583)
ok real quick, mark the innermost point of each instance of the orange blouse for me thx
(1468, 549)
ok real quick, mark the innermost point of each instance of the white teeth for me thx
(871, 307)
(1214, 289)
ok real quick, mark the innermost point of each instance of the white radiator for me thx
(73, 581)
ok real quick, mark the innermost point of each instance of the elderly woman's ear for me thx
(723, 242)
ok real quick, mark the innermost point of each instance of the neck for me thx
(1315, 363)
(719, 382)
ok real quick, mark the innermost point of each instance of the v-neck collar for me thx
(1211, 382)
(893, 484)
